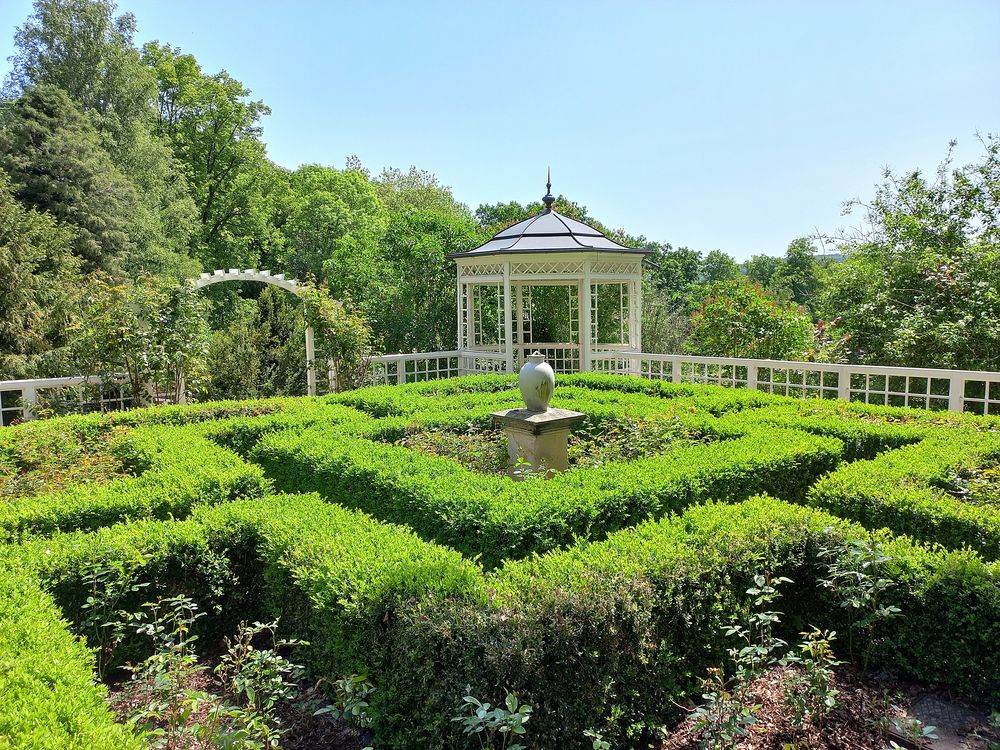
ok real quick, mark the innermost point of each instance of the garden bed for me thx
(600, 597)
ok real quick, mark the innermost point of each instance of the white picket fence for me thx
(955, 390)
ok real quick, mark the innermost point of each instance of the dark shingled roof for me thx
(548, 232)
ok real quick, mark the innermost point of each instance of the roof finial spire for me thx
(548, 200)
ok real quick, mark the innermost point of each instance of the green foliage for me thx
(46, 676)
(919, 284)
(343, 338)
(809, 690)
(214, 129)
(57, 164)
(350, 700)
(723, 719)
(412, 306)
(257, 349)
(912, 490)
(627, 604)
(176, 469)
(498, 519)
(83, 49)
(856, 576)
(37, 275)
(496, 728)
(738, 319)
(149, 330)
(334, 224)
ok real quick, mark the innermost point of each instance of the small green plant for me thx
(727, 710)
(724, 716)
(167, 673)
(854, 574)
(174, 714)
(107, 587)
(809, 690)
(350, 700)
(496, 728)
(914, 730)
(757, 632)
(258, 679)
(597, 740)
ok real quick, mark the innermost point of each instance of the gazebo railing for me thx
(389, 369)
(563, 358)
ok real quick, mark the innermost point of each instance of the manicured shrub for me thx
(50, 699)
(496, 519)
(611, 634)
(907, 490)
(176, 467)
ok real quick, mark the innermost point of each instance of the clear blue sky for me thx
(736, 125)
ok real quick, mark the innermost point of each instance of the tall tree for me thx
(38, 276)
(417, 311)
(334, 228)
(921, 282)
(214, 128)
(739, 319)
(57, 164)
(82, 48)
(417, 189)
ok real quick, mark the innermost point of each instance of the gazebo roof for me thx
(548, 232)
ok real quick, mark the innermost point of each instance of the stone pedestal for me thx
(539, 438)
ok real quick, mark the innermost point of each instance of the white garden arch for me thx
(264, 277)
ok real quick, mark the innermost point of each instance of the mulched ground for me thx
(303, 730)
(857, 723)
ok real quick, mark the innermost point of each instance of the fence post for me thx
(844, 384)
(956, 393)
(29, 397)
(675, 369)
(751, 376)
(400, 371)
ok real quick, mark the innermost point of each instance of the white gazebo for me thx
(552, 284)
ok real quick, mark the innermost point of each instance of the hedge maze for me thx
(598, 596)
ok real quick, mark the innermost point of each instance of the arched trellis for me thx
(264, 277)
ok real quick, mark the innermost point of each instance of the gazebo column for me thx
(508, 323)
(635, 308)
(519, 314)
(586, 320)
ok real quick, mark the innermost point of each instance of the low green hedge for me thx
(48, 697)
(334, 576)
(862, 437)
(904, 491)
(610, 635)
(177, 468)
(496, 519)
(601, 635)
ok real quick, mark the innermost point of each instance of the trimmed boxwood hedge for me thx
(602, 630)
(601, 635)
(177, 468)
(48, 697)
(495, 519)
(607, 635)
(904, 490)
(281, 555)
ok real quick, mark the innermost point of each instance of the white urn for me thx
(537, 381)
